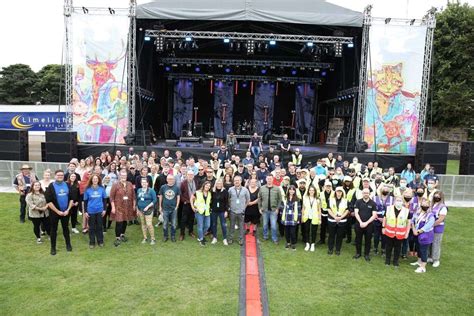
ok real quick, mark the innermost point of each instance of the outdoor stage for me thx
(310, 153)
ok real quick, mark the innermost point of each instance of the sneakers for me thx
(225, 242)
(293, 247)
(117, 242)
(101, 245)
(145, 240)
(173, 239)
(420, 270)
(202, 243)
(153, 242)
(312, 248)
(39, 241)
(436, 264)
(367, 258)
(287, 246)
(68, 248)
(75, 231)
(357, 256)
(43, 233)
(92, 246)
(416, 263)
(53, 252)
(338, 253)
(123, 238)
(214, 241)
(430, 260)
(307, 247)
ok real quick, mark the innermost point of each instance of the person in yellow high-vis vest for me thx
(396, 227)
(324, 198)
(337, 220)
(201, 202)
(291, 217)
(311, 217)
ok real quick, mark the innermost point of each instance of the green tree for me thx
(453, 61)
(50, 84)
(16, 84)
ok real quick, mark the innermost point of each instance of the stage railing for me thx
(458, 190)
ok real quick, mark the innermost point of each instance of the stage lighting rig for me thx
(160, 44)
(338, 49)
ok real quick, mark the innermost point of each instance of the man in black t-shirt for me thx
(285, 146)
(365, 212)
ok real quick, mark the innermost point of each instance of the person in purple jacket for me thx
(439, 210)
(422, 227)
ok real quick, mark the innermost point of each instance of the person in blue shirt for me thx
(59, 203)
(95, 205)
(146, 201)
(408, 173)
(320, 169)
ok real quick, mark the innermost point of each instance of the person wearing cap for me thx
(366, 184)
(350, 194)
(311, 217)
(365, 212)
(324, 199)
(22, 184)
(395, 227)
(337, 220)
(297, 158)
(383, 200)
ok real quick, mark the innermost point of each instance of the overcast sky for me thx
(32, 31)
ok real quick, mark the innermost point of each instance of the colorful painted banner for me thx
(395, 69)
(34, 121)
(100, 108)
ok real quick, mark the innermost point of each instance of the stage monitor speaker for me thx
(171, 142)
(61, 137)
(198, 130)
(62, 151)
(14, 145)
(207, 143)
(433, 152)
(466, 161)
(58, 157)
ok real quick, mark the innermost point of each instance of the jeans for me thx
(169, 216)
(367, 234)
(22, 207)
(203, 223)
(272, 216)
(96, 231)
(336, 234)
(255, 152)
(215, 216)
(147, 225)
(187, 219)
(422, 251)
(55, 219)
(239, 220)
(395, 244)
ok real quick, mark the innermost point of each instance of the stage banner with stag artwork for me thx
(395, 69)
(100, 109)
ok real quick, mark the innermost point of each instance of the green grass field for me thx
(185, 279)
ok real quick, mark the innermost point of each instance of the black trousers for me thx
(350, 222)
(73, 215)
(120, 228)
(396, 245)
(367, 233)
(96, 230)
(309, 230)
(106, 222)
(38, 222)
(180, 214)
(378, 236)
(187, 219)
(290, 234)
(281, 227)
(324, 225)
(336, 234)
(22, 207)
(55, 219)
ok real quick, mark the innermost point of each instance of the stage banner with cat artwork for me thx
(395, 69)
(100, 108)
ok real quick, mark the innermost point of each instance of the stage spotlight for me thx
(238, 47)
(227, 70)
(250, 47)
(194, 45)
(293, 72)
(272, 42)
(147, 38)
(387, 20)
(263, 71)
(188, 39)
(323, 73)
(310, 44)
(338, 49)
(226, 40)
(197, 69)
(168, 68)
(265, 47)
(350, 45)
(231, 46)
(259, 47)
(244, 85)
(303, 49)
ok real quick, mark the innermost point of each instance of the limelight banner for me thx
(395, 69)
(100, 109)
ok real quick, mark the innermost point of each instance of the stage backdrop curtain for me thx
(183, 104)
(264, 96)
(223, 94)
(304, 102)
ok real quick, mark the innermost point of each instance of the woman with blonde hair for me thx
(201, 204)
(311, 218)
(46, 181)
(337, 220)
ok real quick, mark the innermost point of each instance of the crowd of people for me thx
(318, 205)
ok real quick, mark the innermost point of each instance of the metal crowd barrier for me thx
(458, 190)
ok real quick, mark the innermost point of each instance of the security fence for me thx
(458, 190)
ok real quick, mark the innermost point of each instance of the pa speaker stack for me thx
(432, 152)
(14, 145)
(466, 163)
(60, 146)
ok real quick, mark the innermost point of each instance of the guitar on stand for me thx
(293, 123)
(152, 134)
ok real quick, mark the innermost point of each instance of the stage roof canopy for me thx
(318, 12)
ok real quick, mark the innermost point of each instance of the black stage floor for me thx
(310, 152)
